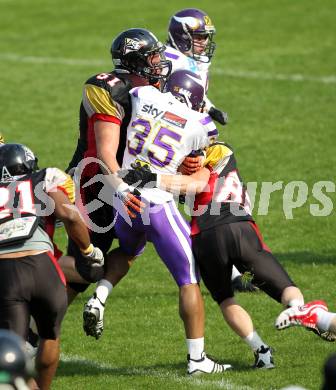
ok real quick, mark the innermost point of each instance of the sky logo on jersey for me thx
(174, 119)
(151, 110)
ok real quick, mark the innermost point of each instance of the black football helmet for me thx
(187, 87)
(16, 159)
(132, 51)
(184, 26)
(15, 364)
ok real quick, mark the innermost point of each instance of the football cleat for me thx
(263, 358)
(205, 365)
(240, 285)
(30, 350)
(327, 335)
(304, 315)
(93, 316)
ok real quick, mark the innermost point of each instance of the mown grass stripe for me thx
(257, 75)
(196, 381)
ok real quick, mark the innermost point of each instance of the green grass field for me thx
(274, 72)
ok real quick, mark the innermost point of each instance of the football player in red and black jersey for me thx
(31, 281)
(104, 115)
(224, 234)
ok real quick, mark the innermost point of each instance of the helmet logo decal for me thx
(182, 91)
(191, 22)
(132, 45)
(207, 21)
(195, 78)
(5, 175)
(29, 155)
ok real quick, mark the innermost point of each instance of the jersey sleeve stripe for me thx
(206, 120)
(172, 56)
(135, 92)
(99, 101)
(106, 118)
(212, 133)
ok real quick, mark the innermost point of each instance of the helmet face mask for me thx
(187, 87)
(138, 51)
(15, 160)
(185, 29)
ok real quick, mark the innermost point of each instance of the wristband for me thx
(88, 250)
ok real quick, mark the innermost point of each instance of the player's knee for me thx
(87, 271)
(93, 274)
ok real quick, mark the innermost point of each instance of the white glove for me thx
(94, 254)
(128, 196)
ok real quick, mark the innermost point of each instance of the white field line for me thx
(156, 373)
(330, 79)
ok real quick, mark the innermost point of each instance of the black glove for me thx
(195, 153)
(219, 116)
(139, 175)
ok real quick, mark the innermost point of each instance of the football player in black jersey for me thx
(31, 281)
(104, 116)
(224, 234)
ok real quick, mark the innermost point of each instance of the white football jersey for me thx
(181, 61)
(162, 132)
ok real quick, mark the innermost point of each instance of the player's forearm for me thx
(182, 184)
(78, 232)
(71, 218)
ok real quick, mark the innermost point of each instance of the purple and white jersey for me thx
(182, 62)
(162, 132)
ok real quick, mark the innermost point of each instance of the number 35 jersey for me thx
(162, 132)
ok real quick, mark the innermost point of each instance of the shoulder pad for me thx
(117, 86)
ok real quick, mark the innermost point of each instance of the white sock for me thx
(235, 273)
(103, 290)
(295, 302)
(324, 319)
(195, 348)
(254, 340)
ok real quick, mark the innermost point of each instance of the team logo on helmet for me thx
(5, 175)
(189, 21)
(182, 91)
(207, 21)
(132, 45)
(29, 155)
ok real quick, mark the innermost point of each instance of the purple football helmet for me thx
(188, 25)
(187, 87)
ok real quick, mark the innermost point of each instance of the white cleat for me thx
(263, 358)
(93, 317)
(205, 365)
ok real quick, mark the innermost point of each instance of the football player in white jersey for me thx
(161, 132)
(190, 46)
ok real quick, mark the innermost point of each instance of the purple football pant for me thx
(164, 226)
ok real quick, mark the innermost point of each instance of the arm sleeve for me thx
(99, 103)
(58, 180)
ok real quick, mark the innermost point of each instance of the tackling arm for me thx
(142, 177)
(183, 184)
(107, 141)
